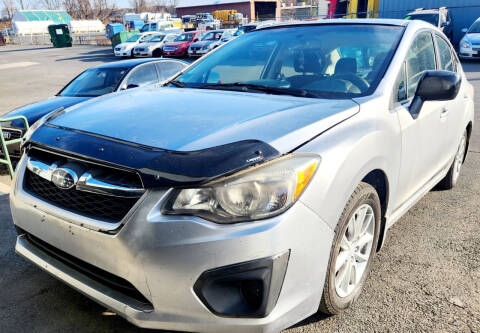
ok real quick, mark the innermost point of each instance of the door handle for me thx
(444, 113)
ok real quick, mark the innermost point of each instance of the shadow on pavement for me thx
(29, 49)
(103, 55)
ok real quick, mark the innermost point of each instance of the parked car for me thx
(470, 43)
(126, 49)
(161, 26)
(252, 26)
(179, 47)
(439, 17)
(93, 82)
(257, 186)
(209, 41)
(153, 48)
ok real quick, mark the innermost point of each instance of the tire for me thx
(335, 298)
(453, 174)
(157, 53)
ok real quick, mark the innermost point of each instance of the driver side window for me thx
(143, 75)
(420, 58)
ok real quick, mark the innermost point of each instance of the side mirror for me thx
(435, 85)
(131, 86)
(465, 30)
(195, 40)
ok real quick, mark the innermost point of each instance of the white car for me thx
(126, 49)
(470, 43)
(153, 48)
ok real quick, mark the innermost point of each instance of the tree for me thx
(52, 4)
(8, 8)
(89, 9)
(140, 6)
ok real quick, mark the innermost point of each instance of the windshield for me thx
(184, 38)
(94, 82)
(331, 61)
(156, 38)
(475, 28)
(134, 38)
(214, 35)
(146, 38)
(430, 18)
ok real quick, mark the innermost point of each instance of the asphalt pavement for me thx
(426, 278)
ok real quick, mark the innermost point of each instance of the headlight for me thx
(465, 44)
(252, 194)
(206, 47)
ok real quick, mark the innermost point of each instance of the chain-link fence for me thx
(44, 39)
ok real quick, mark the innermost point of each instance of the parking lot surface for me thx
(426, 278)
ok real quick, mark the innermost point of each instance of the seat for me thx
(306, 62)
(346, 70)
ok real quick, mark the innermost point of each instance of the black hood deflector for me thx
(156, 167)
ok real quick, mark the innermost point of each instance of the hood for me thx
(180, 119)
(36, 110)
(177, 44)
(126, 45)
(472, 37)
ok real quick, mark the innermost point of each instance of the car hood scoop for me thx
(187, 136)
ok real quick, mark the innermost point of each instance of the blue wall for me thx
(462, 17)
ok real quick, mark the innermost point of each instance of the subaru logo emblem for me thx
(64, 178)
(7, 135)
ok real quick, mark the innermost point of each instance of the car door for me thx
(168, 68)
(423, 139)
(454, 109)
(140, 76)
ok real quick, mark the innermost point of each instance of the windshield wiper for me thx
(178, 84)
(246, 87)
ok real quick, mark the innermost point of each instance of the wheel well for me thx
(469, 133)
(378, 179)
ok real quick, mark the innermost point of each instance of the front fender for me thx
(371, 140)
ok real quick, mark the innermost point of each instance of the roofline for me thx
(384, 22)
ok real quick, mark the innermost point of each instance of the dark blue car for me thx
(93, 82)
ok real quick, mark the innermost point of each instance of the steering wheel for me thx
(357, 81)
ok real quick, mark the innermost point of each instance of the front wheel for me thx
(353, 249)
(453, 174)
(157, 53)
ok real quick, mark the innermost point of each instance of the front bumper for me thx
(469, 53)
(175, 53)
(164, 256)
(122, 53)
(198, 53)
(142, 54)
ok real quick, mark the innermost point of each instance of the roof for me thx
(395, 22)
(196, 3)
(131, 63)
(57, 16)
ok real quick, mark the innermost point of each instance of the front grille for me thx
(105, 207)
(195, 48)
(105, 278)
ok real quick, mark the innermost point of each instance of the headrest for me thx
(346, 65)
(306, 62)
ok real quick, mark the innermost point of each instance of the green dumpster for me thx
(122, 37)
(60, 35)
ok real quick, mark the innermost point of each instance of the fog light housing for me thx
(250, 289)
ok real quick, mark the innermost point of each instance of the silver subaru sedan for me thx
(254, 188)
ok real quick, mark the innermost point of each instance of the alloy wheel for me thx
(355, 249)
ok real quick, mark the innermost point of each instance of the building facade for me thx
(254, 10)
(464, 12)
